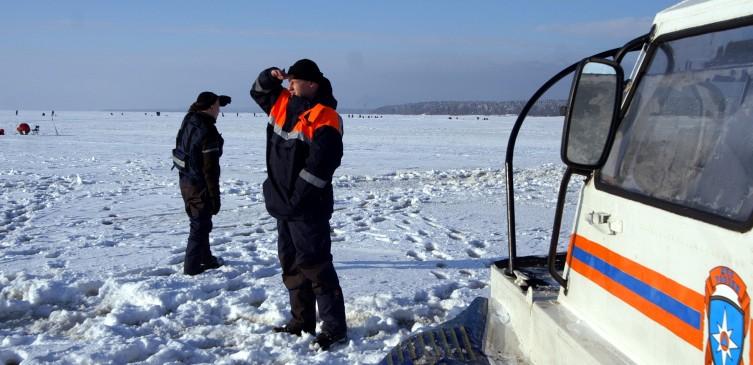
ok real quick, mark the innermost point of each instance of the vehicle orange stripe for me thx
(650, 277)
(668, 321)
(668, 286)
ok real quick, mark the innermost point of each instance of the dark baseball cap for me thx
(207, 98)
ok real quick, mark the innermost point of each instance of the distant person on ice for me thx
(304, 147)
(197, 152)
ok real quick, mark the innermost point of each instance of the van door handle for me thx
(604, 222)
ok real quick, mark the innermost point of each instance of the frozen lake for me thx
(92, 234)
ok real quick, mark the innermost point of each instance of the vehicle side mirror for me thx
(591, 114)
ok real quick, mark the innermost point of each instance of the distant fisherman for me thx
(304, 147)
(197, 152)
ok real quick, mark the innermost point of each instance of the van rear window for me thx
(687, 136)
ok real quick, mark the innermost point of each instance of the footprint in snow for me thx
(477, 243)
(455, 236)
(265, 272)
(175, 260)
(23, 252)
(476, 284)
(441, 255)
(235, 285)
(242, 234)
(53, 254)
(57, 264)
(413, 239)
(405, 228)
(232, 254)
(432, 223)
(401, 205)
(162, 271)
(220, 241)
(416, 255)
(439, 275)
(444, 291)
(473, 253)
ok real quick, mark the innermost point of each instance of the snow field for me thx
(92, 235)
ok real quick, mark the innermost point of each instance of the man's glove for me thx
(215, 201)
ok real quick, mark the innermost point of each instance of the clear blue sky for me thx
(160, 54)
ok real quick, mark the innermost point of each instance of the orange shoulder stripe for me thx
(317, 117)
(279, 110)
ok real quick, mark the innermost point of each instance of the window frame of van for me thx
(653, 47)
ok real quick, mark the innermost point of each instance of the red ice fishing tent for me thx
(2, 132)
(23, 128)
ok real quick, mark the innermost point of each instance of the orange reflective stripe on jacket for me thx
(279, 110)
(317, 117)
(308, 122)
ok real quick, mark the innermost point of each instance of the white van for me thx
(661, 252)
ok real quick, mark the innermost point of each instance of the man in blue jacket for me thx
(304, 147)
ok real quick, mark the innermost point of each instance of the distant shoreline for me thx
(450, 108)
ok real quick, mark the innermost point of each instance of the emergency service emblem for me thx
(728, 311)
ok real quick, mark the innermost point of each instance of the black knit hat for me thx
(305, 69)
(206, 99)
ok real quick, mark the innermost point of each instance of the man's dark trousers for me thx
(197, 250)
(304, 249)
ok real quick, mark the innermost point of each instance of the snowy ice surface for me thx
(93, 231)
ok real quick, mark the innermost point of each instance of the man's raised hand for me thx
(279, 74)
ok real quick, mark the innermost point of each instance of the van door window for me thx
(687, 136)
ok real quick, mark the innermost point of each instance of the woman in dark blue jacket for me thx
(197, 152)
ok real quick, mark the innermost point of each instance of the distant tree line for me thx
(541, 108)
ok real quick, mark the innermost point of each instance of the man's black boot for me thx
(192, 266)
(213, 263)
(326, 340)
(193, 270)
(292, 329)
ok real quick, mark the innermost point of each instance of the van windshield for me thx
(687, 135)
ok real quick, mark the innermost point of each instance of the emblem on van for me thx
(728, 312)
